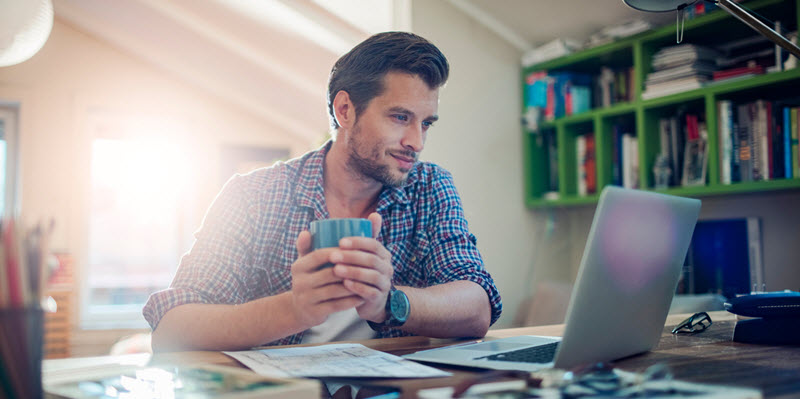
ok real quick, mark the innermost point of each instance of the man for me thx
(251, 277)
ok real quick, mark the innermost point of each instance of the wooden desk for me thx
(707, 357)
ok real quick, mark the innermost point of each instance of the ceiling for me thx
(272, 57)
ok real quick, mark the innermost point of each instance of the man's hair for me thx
(360, 72)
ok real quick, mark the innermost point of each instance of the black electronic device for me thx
(777, 317)
(780, 304)
(768, 331)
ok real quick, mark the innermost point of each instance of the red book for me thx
(591, 165)
(730, 73)
(692, 131)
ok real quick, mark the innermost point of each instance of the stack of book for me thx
(551, 50)
(758, 140)
(616, 32)
(680, 68)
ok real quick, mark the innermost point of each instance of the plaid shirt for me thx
(246, 246)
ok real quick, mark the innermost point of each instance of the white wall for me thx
(75, 83)
(478, 139)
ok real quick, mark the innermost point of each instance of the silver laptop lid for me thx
(628, 275)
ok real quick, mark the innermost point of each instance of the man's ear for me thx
(344, 110)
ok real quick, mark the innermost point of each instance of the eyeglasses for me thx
(695, 323)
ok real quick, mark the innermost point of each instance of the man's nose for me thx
(414, 138)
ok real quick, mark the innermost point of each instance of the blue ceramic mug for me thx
(327, 233)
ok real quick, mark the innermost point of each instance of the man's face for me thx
(390, 133)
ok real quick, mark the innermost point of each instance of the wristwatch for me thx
(397, 310)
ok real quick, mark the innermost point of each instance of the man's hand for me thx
(365, 265)
(316, 293)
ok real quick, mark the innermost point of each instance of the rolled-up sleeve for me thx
(454, 248)
(217, 267)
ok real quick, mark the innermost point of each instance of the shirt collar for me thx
(311, 190)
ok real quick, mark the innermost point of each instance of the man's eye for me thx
(401, 117)
(427, 124)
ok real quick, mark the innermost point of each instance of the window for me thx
(8, 162)
(136, 228)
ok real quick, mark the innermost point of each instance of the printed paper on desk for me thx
(336, 360)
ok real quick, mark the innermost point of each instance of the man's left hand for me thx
(365, 265)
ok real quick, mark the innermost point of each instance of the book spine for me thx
(755, 140)
(795, 154)
(626, 161)
(580, 156)
(675, 150)
(744, 137)
(591, 165)
(769, 152)
(724, 141)
(776, 123)
(787, 136)
(552, 153)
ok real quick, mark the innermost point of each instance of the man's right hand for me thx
(316, 293)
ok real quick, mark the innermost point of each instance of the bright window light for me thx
(138, 200)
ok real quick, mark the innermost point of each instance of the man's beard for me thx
(368, 167)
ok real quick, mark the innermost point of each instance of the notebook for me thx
(628, 274)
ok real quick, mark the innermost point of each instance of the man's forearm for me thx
(455, 309)
(226, 327)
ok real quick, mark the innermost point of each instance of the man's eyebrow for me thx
(406, 111)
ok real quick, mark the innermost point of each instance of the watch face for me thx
(399, 306)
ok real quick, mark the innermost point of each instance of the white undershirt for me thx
(340, 326)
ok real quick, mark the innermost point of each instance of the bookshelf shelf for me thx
(553, 180)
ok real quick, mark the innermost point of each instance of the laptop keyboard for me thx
(535, 354)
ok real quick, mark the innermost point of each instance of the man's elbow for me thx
(480, 323)
(158, 342)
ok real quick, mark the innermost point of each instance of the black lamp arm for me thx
(751, 21)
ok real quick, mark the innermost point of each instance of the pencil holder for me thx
(21, 333)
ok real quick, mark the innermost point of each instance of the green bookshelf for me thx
(643, 115)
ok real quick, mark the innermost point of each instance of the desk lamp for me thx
(727, 5)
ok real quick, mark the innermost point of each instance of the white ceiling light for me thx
(24, 27)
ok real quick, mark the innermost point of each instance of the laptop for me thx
(628, 274)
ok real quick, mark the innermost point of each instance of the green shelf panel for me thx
(566, 201)
(668, 32)
(673, 99)
(743, 187)
(617, 109)
(637, 51)
(583, 117)
(613, 50)
(724, 87)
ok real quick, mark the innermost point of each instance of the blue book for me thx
(787, 142)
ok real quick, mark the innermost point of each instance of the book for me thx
(630, 161)
(744, 138)
(696, 152)
(590, 165)
(580, 158)
(787, 143)
(794, 149)
(724, 140)
(726, 256)
(174, 382)
(737, 72)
